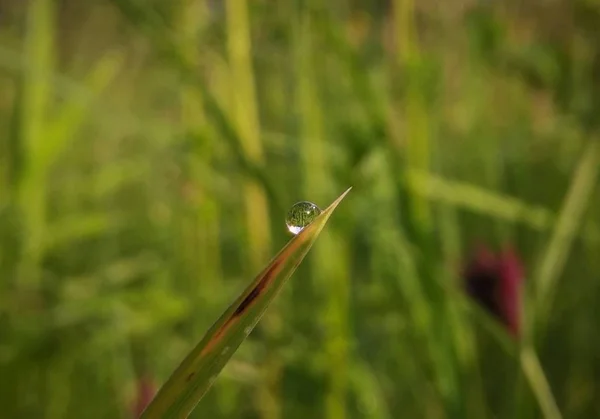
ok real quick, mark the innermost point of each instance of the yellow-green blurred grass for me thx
(140, 214)
(329, 271)
(245, 114)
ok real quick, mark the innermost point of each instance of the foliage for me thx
(153, 148)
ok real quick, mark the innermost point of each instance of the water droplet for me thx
(300, 215)
(247, 330)
(225, 350)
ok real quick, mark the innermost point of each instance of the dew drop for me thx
(247, 330)
(300, 215)
(225, 350)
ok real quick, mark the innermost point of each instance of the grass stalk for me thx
(569, 221)
(246, 117)
(39, 53)
(331, 278)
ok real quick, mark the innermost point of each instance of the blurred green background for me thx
(149, 151)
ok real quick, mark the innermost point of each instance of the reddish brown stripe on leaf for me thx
(248, 300)
(217, 337)
(258, 289)
(244, 305)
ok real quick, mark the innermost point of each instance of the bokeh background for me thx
(149, 151)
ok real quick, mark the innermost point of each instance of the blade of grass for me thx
(107, 112)
(410, 58)
(368, 392)
(202, 254)
(192, 379)
(551, 266)
(569, 221)
(539, 385)
(331, 276)
(408, 55)
(246, 119)
(247, 125)
(490, 203)
(161, 37)
(39, 55)
(78, 227)
(73, 114)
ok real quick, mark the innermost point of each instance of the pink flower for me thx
(494, 281)
(146, 389)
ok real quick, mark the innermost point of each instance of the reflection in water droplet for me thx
(300, 215)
